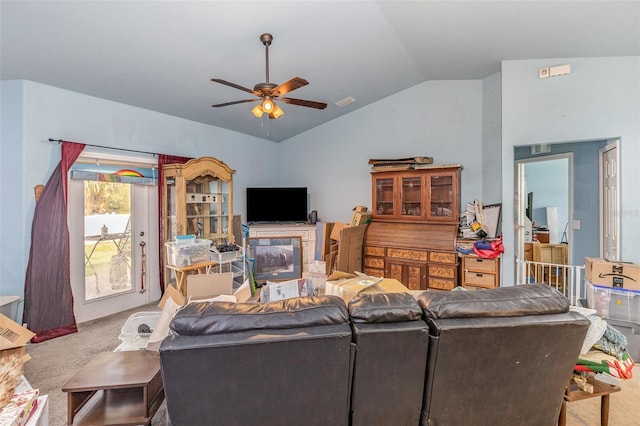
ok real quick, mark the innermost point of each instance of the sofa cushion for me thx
(518, 300)
(207, 318)
(384, 307)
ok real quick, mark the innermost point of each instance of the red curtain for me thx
(48, 299)
(164, 159)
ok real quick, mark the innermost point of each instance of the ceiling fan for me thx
(269, 92)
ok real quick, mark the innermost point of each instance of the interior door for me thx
(114, 257)
(609, 202)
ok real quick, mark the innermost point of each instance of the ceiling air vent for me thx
(345, 102)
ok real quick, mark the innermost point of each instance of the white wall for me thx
(441, 119)
(600, 99)
(44, 112)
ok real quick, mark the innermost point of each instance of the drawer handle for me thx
(479, 275)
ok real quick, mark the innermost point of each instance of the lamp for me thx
(277, 111)
(267, 106)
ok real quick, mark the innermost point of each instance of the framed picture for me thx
(276, 258)
(492, 219)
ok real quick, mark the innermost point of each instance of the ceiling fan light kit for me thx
(269, 92)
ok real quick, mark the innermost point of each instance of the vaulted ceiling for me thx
(161, 55)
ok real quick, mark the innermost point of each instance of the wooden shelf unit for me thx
(478, 273)
(430, 194)
(412, 236)
(199, 200)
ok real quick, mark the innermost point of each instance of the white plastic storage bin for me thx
(631, 331)
(225, 256)
(185, 254)
(614, 303)
(137, 329)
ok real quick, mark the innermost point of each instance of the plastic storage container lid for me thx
(138, 327)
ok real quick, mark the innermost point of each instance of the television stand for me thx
(306, 232)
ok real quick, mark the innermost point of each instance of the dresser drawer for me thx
(478, 264)
(373, 262)
(441, 257)
(442, 271)
(440, 284)
(480, 279)
(373, 272)
(407, 254)
(374, 251)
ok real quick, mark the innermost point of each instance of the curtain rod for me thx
(108, 147)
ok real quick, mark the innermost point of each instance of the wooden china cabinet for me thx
(199, 200)
(412, 236)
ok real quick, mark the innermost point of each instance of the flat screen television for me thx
(277, 204)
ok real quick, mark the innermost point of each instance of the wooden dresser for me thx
(420, 255)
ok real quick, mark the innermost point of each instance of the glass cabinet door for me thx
(442, 200)
(171, 219)
(411, 196)
(383, 196)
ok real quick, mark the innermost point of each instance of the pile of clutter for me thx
(472, 222)
(18, 400)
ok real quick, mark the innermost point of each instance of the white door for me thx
(114, 255)
(609, 202)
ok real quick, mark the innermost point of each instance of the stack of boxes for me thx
(613, 290)
(346, 241)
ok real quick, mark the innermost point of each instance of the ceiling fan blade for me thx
(234, 102)
(304, 103)
(236, 86)
(288, 86)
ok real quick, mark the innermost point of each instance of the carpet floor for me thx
(56, 361)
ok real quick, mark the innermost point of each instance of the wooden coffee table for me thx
(123, 388)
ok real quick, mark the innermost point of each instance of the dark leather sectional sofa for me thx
(490, 357)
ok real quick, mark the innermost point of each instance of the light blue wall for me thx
(12, 210)
(34, 113)
(491, 139)
(441, 119)
(599, 100)
(447, 120)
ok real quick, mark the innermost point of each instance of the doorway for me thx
(545, 194)
(585, 221)
(113, 229)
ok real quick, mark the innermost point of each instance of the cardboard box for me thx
(360, 209)
(200, 288)
(360, 218)
(337, 230)
(347, 285)
(204, 286)
(13, 337)
(601, 272)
